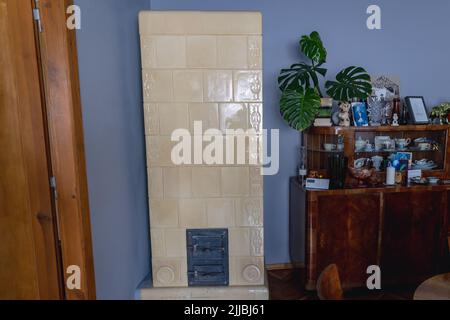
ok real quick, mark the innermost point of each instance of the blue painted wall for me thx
(110, 77)
(413, 44)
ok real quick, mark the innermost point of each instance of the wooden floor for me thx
(288, 285)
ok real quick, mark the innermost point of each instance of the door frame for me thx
(59, 74)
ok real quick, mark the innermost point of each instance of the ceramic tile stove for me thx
(206, 221)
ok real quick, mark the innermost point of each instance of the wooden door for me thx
(413, 240)
(28, 244)
(347, 235)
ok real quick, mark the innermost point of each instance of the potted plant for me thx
(441, 113)
(301, 93)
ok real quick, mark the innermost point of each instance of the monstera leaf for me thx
(300, 107)
(313, 48)
(353, 82)
(300, 75)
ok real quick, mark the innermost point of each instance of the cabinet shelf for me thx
(318, 159)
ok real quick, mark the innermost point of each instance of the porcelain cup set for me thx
(377, 161)
(424, 164)
(385, 143)
(333, 147)
(423, 144)
(363, 145)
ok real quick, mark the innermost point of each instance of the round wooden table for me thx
(436, 288)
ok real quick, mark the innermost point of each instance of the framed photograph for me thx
(359, 112)
(417, 110)
(402, 161)
(385, 87)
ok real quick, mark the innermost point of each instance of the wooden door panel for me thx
(412, 235)
(347, 235)
(60, 73)
(28, 264)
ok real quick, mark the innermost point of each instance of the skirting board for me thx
(285, 266)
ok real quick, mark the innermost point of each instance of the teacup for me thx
(424, 146)
(360, 144)
(369, 147)
(329, 146)
(433, 180)
(402, 143)
(424, 162)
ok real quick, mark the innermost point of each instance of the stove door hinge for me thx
(37, 15)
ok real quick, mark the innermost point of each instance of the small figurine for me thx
(344, 116)
(395, 120)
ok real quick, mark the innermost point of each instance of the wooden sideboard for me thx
(401, 229)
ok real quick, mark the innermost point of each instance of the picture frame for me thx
(402, 161)
(359, 113)
(417, 109)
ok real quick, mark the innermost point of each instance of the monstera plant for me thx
(300, 86)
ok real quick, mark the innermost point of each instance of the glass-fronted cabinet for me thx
(421, 147)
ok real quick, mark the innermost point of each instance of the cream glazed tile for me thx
(255, 148)
(151, 119)
(193, 213)
(257, 242)
(207, 113)
(255, 52)
(169, 272)
(247, 86)
(177, 182)
(194, 22)
(157, 85)
(175, 240)
(148, 52)
(201, 51)
(232, 52)
(249, 212)
(233, 116)
(172, 116)
(159, 149)
(163, 213)
(218, 86)
(170, 51)
(188, 85)
(247, 271)
(255, 118)
(235, 181)
(158, 243)
(239, 240)
(220, 213)
(256, 182)
(205, 181)
(155, 183)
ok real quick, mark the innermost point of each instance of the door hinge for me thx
(37, 15)
(53, 186)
